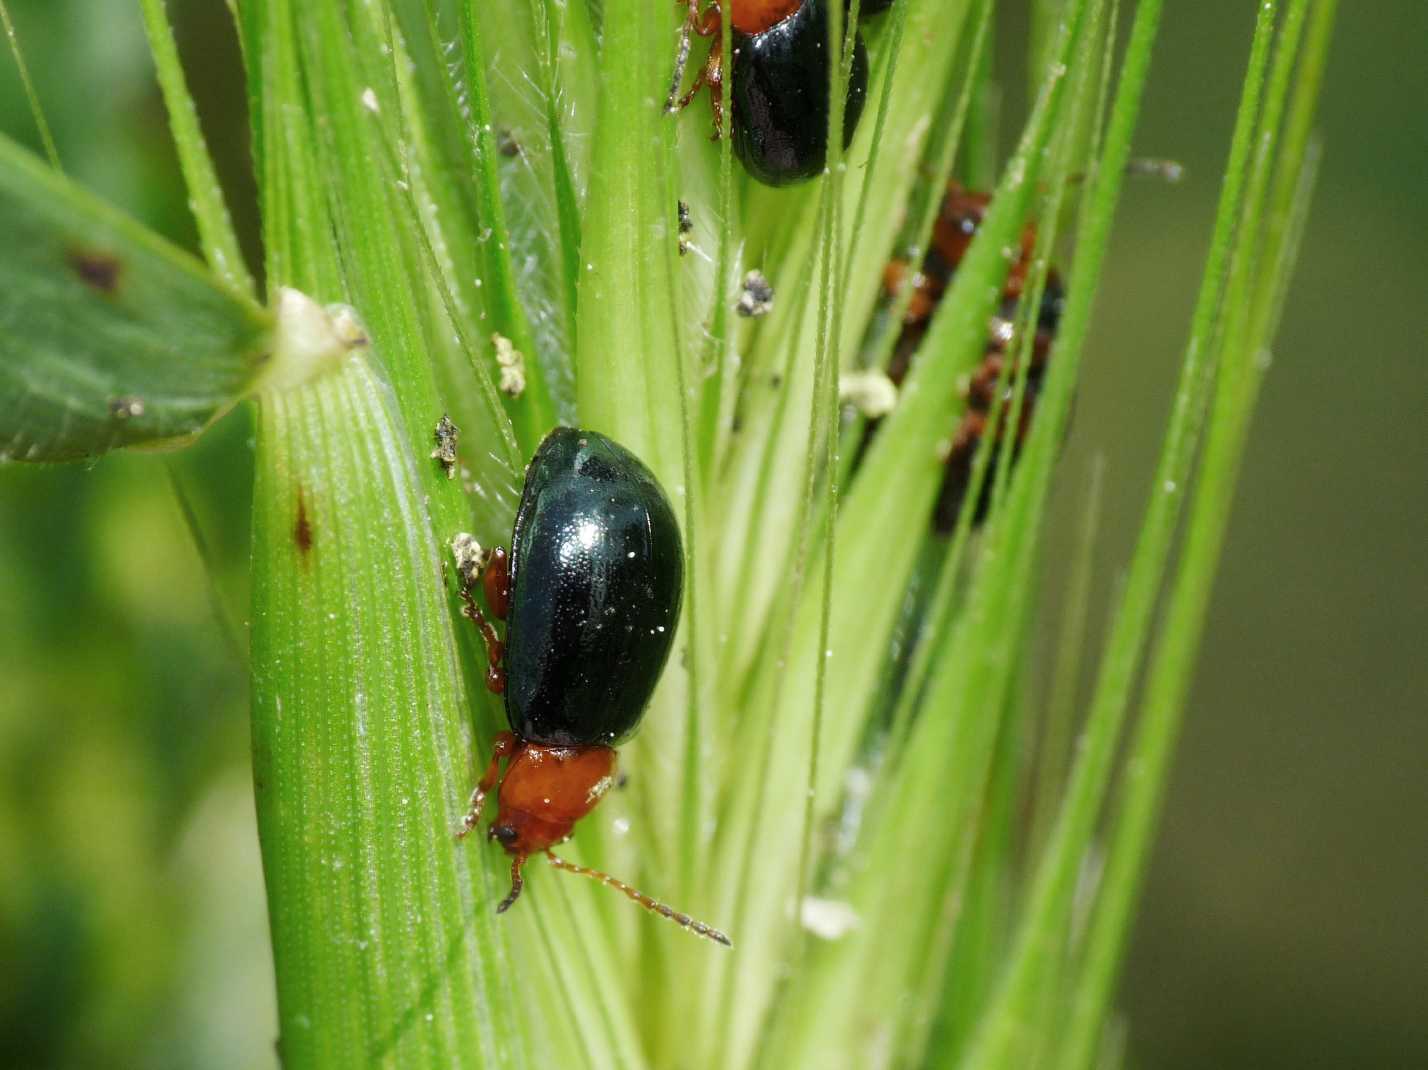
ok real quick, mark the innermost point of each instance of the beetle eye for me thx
(505, 833)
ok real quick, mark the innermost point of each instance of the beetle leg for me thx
(699, 82)
(517, 883)
(713, 75)
(705, 24)
(496, 583)
(497, 592)
(504, 746)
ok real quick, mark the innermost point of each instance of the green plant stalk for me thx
(369, 247)
(1002, 1032)
(971, 679)
(1170, 676)
(716, 416)
(930, 967)
(1045, 15)
(1054, 747)
(901, 469)
(532, 413)
(943, 604)
(630, 352)
(566, 200)
(419, 147)
(541, 76)
(384, 945)
(303, 69)
(210, 210)
(599, 1027)
(841, 968)
(626, 380)
(1087, 107)
(923, 206)
(1170, 673)
(632, 376)
(32, 98)
(412, 150)
(740, 1021)
(982, 902)
(822, 461)
(699, 651)
(296, 220)
(957, 333)
(898, 23)
(766, 626)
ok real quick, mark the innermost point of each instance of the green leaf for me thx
(631, 352)
(386, 947)
(532, 413)
(109, 336)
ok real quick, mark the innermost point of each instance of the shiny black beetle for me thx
(779, 91)
(591, 592)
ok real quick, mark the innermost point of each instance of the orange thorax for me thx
(546, 790)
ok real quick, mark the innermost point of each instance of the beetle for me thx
(590, 590)
(958, 219)
(779, 84)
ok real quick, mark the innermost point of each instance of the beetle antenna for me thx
(517, 883)
(654, 906)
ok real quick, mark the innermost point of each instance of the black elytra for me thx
(596, 579)
(780, 96)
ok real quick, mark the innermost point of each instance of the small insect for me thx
(958, 220)
(780, 82)
(686, 227)
(590, 591)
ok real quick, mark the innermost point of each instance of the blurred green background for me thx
(1286, 916)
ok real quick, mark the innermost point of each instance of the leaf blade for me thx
(109, 336)
(384, 943)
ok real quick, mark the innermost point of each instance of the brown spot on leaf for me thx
(302, 530)
(97, 270)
